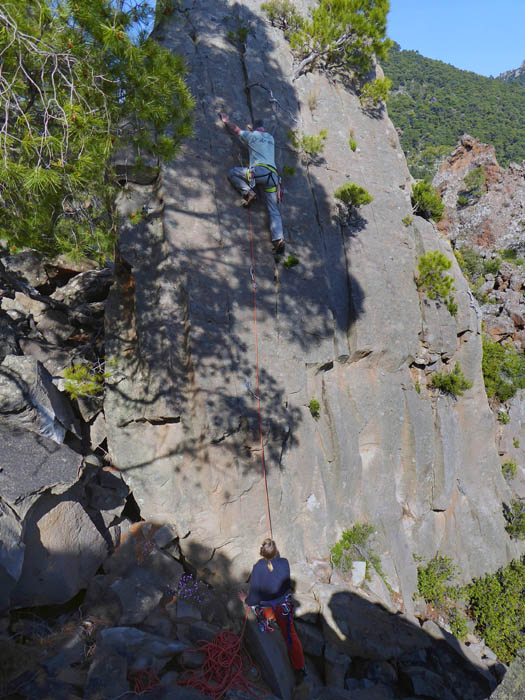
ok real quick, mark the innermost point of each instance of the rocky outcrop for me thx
(345, 326)
(496, 218)
(354, 646)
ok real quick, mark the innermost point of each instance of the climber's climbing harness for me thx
(266, 612)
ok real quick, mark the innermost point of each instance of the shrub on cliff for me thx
(310, 147)
(78, 79)
(503, 368)
(375, 92)
(496, 603)
(356, 545)
(474, 185)
(454, 383)
(433, 281)
(339, 35)
(353, 195)
(426, 201)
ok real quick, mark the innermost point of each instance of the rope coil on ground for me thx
(223, 668)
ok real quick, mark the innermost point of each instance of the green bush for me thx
(433, 281)
(282, 14)
(356, 545)
(496, 601)
(288, 170)
(458, 624)
(434, 581)
(315, 408)
(509, 469)
(353, 195)
(310, 147)
(503, 368)
(454, 383)
(407, 220)
(515, 442)
(515, 517)
(503, 417)
(474, 185)
(375, 92)
(84, 380)
(291, 261)
(491, 266)
(426, 201)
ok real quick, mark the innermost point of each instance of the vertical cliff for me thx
(345, 326)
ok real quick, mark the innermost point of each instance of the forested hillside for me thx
(433, 104)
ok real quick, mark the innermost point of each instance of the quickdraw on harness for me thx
(264, 622)
(273, 179)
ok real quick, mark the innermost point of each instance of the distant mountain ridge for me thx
(517, 75)
(432, 104)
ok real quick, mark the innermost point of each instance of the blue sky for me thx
(484, 36)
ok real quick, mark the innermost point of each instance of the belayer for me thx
(270, 599)
(261, 172)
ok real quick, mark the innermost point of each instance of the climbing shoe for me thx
(278, 246)
(245, 201)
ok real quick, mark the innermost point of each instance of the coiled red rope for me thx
(224, 667)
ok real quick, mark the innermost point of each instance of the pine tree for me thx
(339, 35)
(79, 78)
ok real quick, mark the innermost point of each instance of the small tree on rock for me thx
(426, 201)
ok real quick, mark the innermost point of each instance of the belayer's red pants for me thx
(296, 651)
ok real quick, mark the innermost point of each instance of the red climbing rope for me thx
(225, 661)
(254, 287)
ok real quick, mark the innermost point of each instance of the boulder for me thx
(8, 337)
(269, 652)
(28, 267)
(107, 676)
(426, 683)
(359, 627)
(139, 594)
(513, 685)
(85, 288)
(132, 643)
(335, 667)
(11, 552)
(31, 462)
(63, 547)
(29, 399)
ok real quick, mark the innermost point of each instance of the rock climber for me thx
(261, 172)
(270, 599)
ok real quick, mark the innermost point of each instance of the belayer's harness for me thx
(286, 605)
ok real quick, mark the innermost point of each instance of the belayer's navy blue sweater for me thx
(267, 586)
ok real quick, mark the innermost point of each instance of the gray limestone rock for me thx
(426, 683)
(29, 399)
(11, 552)
(28, 266)
(63, 547)
(269, 652)
(85, 288)
(107, 676)
(131, 643)
(343, 326)
(513, 685)
(31, 462)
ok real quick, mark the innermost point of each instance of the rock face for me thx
(345, 326)
(497, 218)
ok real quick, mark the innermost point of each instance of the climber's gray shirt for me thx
(261, 146)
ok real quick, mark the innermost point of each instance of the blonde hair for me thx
(269, 551)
